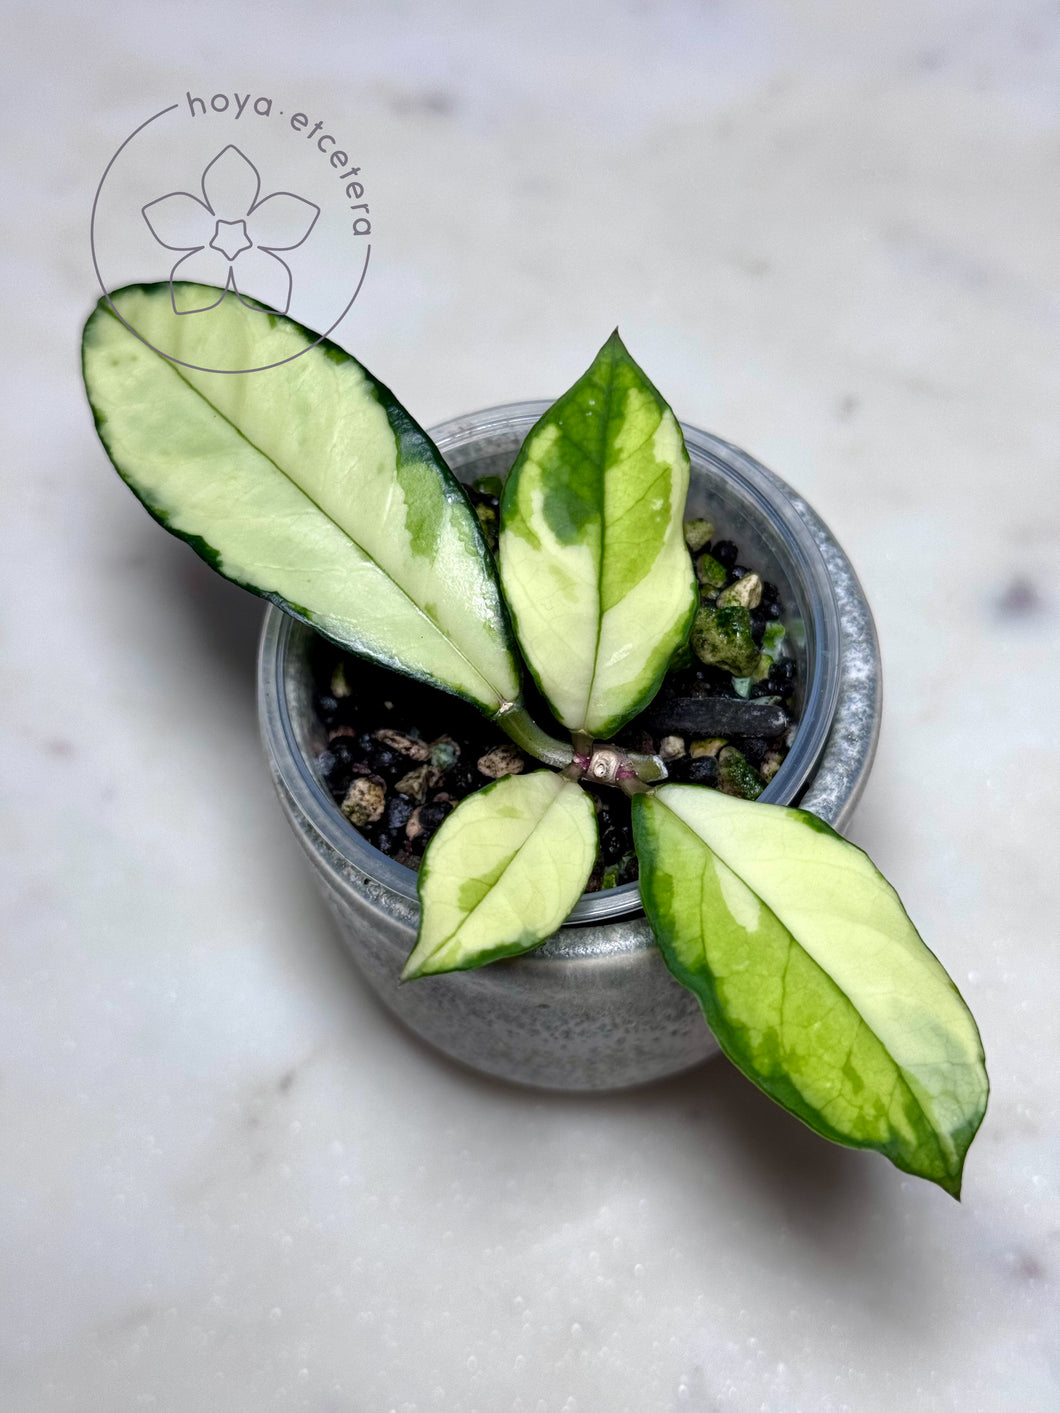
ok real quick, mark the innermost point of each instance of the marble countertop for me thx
(228, 1181)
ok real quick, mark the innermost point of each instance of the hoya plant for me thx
(309, 484)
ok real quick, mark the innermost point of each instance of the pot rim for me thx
(815, 555)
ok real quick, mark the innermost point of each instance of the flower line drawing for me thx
(230, 236)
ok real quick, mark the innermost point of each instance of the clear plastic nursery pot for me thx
(594, 1007)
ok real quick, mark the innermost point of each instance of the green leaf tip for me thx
(812, 977)
(592, 546)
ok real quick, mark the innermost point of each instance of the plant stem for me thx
(630, 785)
(648, 769)
(525, 732)
(599, 762)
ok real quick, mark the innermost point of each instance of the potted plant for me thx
(311, 485)
(594, 1007)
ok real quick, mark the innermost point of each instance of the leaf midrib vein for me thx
(553, 803)
(899, 1069)
(330, 518)
(609, 392)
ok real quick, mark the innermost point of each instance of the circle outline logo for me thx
(259, 368)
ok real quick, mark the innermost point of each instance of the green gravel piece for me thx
(736, 775)
(712, 576)
(721, 637)
(487, 518)
(489, 486)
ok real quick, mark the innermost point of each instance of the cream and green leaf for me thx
(812, 976)
(503, 872)
(307, 483)
(592, 553)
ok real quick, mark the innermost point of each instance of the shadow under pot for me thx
(594, 1007)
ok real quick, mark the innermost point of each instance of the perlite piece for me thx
(746, 592)
(404, 745)
(770, 765)
(701, 750)
(417, 782)
(340, 685)
(500, 761)
(698, 534)
(365, 801)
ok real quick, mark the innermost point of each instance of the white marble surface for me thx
(227, 1181)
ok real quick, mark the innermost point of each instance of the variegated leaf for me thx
(812, 976)
(592, 552)
(503, 872)
(307, 483)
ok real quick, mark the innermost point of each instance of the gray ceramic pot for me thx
(594, 1007)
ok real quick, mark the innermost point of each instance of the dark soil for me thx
(401, 755)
